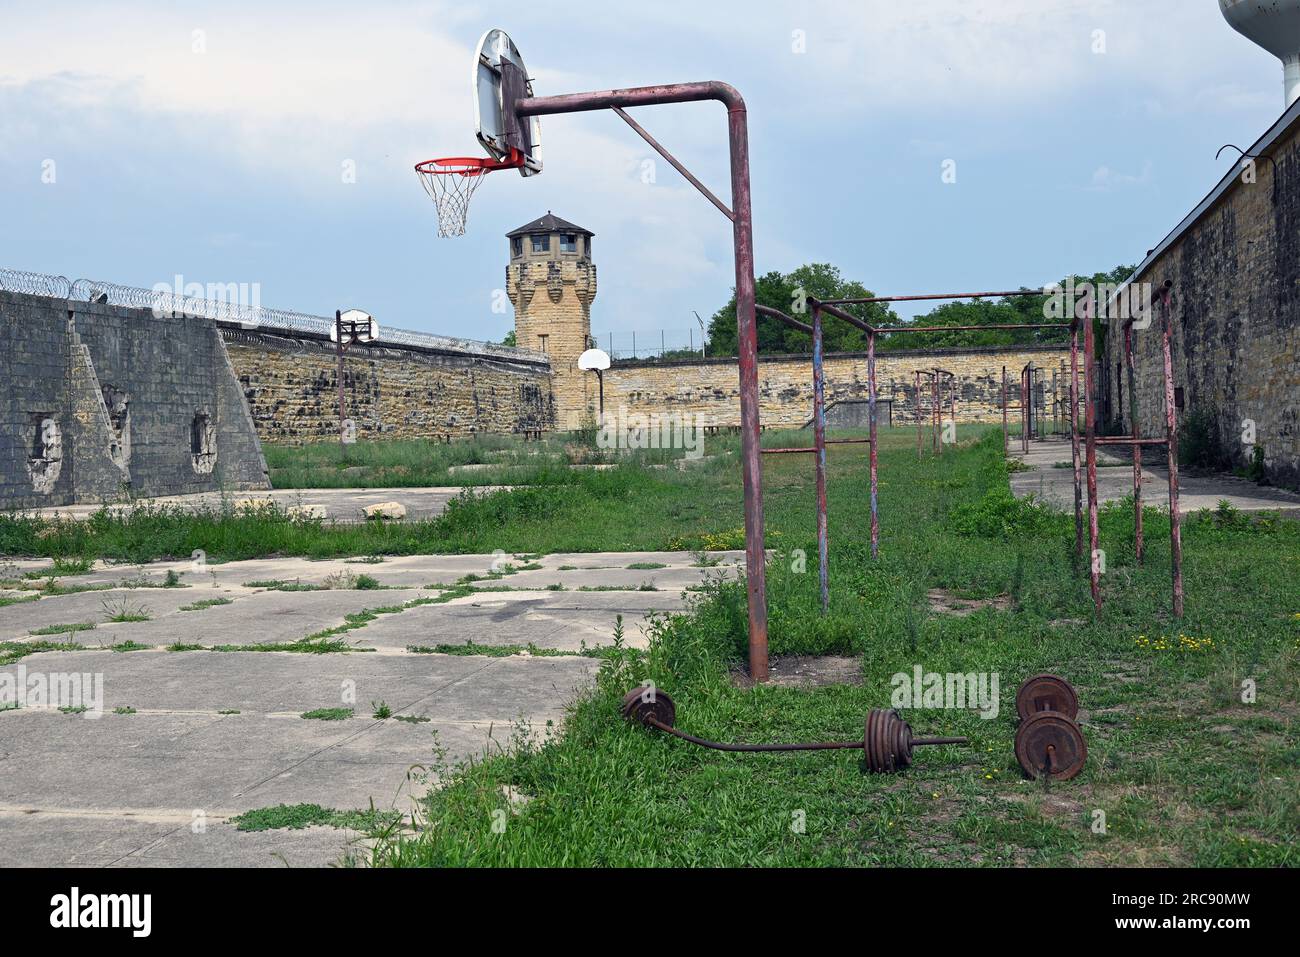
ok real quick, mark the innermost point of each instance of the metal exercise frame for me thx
(936, 377)
(818, 448)
(1163, 300)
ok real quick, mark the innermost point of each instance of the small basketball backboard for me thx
(367, 330)
(594, 360)
(500, 79)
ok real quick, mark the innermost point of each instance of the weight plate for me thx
(1046, 693)
(902, 741)
(644, 702)
(1048, 743)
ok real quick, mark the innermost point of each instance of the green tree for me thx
(509, 340)
(785, 291)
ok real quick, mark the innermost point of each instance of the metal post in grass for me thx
(1074, 441)
(871, 410)
(1135, 430)
(1090, 426)
(1171, 451)
(819, 442)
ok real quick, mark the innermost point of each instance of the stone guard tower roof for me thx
(550, 223)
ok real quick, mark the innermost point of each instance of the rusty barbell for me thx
(886, 743)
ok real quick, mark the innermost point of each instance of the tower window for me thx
(517, 246)
(541, 243)
(568, 242)
(542, 342)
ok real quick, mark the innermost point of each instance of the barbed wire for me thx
(35, 283)
(168, 303)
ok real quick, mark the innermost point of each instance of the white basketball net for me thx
(451, 184)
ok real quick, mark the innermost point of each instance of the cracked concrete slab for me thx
(1055, 485)
(121, 789)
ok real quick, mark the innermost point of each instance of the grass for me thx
(629, 508)
(298, 816)
(328, 714)
(7, 600)
(470, 648)
(423, 463)
(63, 629)
(1186, 772)
(11, 651)
(124, 611)
(124, 709)
(128, 645)
(205, 603)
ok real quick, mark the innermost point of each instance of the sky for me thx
(947, 145)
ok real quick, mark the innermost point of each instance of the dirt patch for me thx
(806, 671)
(943, 602)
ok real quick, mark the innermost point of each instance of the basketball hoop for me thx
(451, 182)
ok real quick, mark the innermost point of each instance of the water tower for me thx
(1274, 25)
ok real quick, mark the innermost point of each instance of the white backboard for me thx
(495, 50)
(593, 360)
(368, 332)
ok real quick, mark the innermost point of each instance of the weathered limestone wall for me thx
(109, 402)
(291, 385)
(711, 387)
(1235, 320)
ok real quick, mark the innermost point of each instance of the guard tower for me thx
(551, 281)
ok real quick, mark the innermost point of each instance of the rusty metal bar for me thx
(790, 321)
(746, 322)
(819, 444)
(1074, 441)
(871, 407)
(1090, 426)
(936, 295)
(934, 418)
(1171, 448)
(809, 746)
(1136, 432)
(1005, 435)
(952, 394)
(918, 413)
(690, 177)
(1127, 440)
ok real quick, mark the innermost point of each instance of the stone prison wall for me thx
(711, 387)
(1235, 322)
(291, 384)
(101, 403)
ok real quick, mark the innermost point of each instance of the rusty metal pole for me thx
(1090, 426)
(1135, 430)
(918, 415)
(1171, 440)
(1024, 414)
(747, 337)
(934, 418)
(338, 352)
(1074, 441)
(952, 394)
(1005, 436)
(819, 444)
(871, 411)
